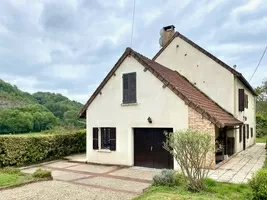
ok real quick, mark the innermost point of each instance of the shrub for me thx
(179, 179)
(169, 177)
(190, 149)
(210, 182)
(258, 183)
(40, 173)
(19, 150)
(166, 177)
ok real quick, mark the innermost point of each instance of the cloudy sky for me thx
(68, 46)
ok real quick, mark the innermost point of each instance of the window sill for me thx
(129, 104)
(104, 150)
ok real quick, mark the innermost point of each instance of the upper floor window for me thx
(242, 100)
(129, 88)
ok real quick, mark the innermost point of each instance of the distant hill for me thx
(22, 112)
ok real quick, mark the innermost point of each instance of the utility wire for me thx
(133, 23)
(258, 64)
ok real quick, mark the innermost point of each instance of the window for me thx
(240, 133)
(247, 127)
(251, 132)
(107, 138)
(129, 88)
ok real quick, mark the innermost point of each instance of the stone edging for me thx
(24, 183)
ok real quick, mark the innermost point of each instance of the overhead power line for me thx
(258, 64)
(133, 23)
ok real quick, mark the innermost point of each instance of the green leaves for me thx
(19, 150)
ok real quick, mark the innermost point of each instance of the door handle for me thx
(151, 148)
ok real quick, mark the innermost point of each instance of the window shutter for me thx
(240, 133)
(246, 101)
(251, 132)
(95, 138)
(247, 131)
(244, 131)
(132, 88)
(241, 100)
(125, 88)
(113, 139)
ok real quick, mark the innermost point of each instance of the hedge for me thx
(20, 150)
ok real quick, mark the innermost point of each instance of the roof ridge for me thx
(211, 56)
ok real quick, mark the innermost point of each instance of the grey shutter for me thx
(95, 138)
(241, 100)
(113, 139)
(132, 87)
(240, 133)
(125, 85)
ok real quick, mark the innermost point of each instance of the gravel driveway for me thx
(57, 190)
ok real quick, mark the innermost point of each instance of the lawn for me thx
(220, 191)
(261, 140)
(13, 176)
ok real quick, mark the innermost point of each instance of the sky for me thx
(68, 46)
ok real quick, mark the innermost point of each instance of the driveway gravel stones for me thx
(79, 181)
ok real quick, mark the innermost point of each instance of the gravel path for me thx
(57, 190)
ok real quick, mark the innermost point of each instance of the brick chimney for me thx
(166, 34)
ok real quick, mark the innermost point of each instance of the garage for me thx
(148, 150)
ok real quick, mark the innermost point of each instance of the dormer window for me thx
(129, 88)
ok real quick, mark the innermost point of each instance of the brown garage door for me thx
(148, 150)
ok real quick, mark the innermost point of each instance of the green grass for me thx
(13, 176)
(261, 140)
(219, 191)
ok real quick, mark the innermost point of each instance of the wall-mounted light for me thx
(149, 120)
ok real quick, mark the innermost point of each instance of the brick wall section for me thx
(196, 122)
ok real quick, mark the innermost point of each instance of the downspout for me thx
(235, 111)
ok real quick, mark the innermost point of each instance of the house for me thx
(182, 87)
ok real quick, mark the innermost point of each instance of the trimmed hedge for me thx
(19, 150)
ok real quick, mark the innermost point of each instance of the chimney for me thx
(234, 66)
(166, 34)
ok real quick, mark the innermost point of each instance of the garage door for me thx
(148, 150)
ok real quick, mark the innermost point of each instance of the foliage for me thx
(10, 176)
(258, 183)
(24, 149)
(10, 170)
(221, 191)
(210, 182)
(190, 148)
(31, 118)
(261, 125)
(261, 140)
(167, 177)
(63, 108)
(179, 179)
(41, 173)
(21, 112)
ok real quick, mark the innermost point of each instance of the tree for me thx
(190, 149)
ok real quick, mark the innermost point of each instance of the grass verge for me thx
(261, 140)
(14, 177)
(218, 191)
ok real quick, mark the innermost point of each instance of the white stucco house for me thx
(183, 86)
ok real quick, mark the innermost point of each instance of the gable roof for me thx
(233, 71)
(191, 95)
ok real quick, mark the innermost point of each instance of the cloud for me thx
(68, 46)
